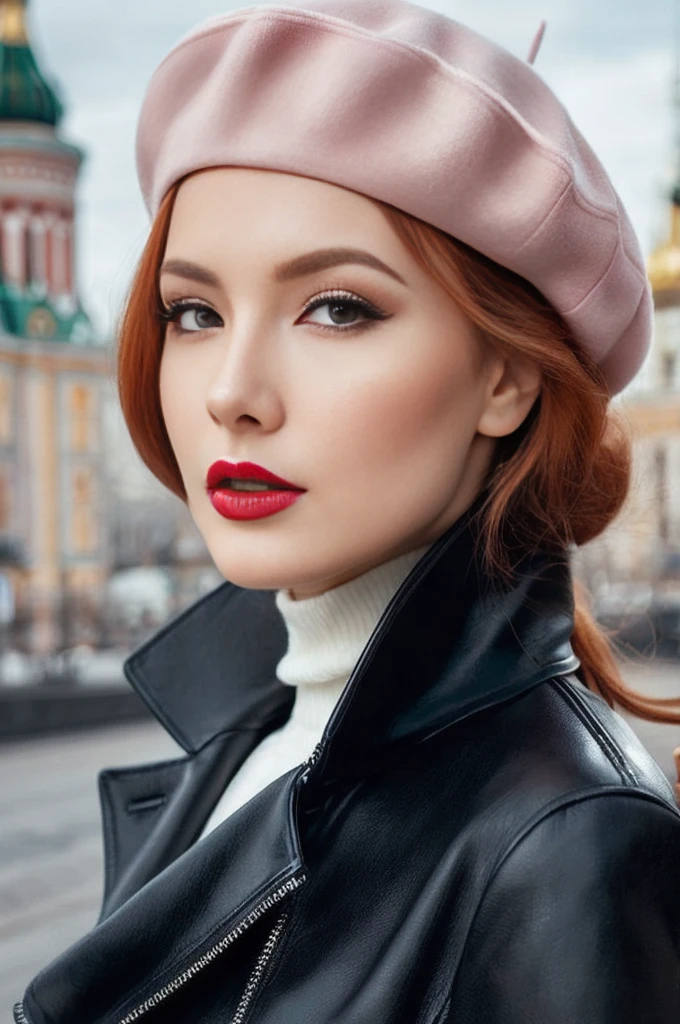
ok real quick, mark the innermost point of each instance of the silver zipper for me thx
(219, 947)
(172, 986)
(311, 761)
(271, 943)
(254, 979)
(214, 951)
(258, 970)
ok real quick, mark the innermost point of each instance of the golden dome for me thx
(663, 266)
(25, 95)
(12, 22)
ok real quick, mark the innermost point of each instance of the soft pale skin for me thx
(390, 429)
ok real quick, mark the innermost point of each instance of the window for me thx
(83, 518)
(81, 416)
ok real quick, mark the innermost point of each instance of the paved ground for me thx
(50, 844)
(51, 873)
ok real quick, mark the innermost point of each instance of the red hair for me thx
(558, 480)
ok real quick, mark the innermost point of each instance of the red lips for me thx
(222, 470)
(238, 504)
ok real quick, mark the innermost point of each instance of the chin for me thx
(247, 573)
(252, 573)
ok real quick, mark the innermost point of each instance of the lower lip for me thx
(251, 504)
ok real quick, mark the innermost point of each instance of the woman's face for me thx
(377, 401)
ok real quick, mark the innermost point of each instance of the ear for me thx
(513, 385)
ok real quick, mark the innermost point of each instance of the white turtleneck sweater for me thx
(326, 635)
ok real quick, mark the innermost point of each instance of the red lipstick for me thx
(233, 503)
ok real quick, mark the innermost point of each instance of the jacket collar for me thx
(446, 645)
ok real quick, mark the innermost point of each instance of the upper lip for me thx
(222, 469)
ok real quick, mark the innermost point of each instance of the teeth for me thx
(251, 485)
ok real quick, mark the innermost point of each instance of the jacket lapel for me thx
(153, 813)
(212, 669)
(179, 920)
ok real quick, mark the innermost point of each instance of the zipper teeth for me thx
(213, 952)
(311, 761)
(167, 990)
(258, 970)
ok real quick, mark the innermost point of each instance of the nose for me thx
(242, 390)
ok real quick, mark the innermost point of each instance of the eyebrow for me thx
(309, 263)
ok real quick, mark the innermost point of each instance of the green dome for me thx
(24, 93)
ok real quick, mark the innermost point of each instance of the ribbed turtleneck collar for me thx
(328, 632)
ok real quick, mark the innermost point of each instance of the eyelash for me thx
(170, 314)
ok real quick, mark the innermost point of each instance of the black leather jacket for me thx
(477, 839)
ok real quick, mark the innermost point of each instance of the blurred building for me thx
(654, 409)
(643, 545)
(644, 542)
(53, 371)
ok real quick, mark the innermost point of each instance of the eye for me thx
(189, 316)
(175, 312)
(343, 308)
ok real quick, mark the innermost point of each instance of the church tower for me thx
(38, 174)
(54, 372)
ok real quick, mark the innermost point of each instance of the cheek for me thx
(176, 387)
(409, 420)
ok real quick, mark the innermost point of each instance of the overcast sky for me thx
(610, 61)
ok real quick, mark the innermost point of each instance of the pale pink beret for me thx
(404, 105)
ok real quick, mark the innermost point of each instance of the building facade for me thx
(642, 547)
(54, 372)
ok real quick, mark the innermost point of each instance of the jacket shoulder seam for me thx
(607, 744)
(568, 800)
(557, 805)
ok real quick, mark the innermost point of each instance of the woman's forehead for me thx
(294, 225)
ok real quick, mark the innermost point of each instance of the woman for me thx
(386, 299)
